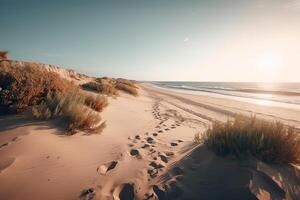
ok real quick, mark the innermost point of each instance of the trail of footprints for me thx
(157, 159)
(8, 143)
(146, 143)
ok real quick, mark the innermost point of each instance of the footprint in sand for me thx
(154, 134)
(103, 169)
(88, 194)
(134, 152)
(167, 129)
(152, 150)
(145, 146)
(137, 137)
(124, 192)
(130, 145)
(159, 193)
(163, 157)
(148, 196)
(150, 140)
(3, 145)
(173, 144)
(156, 165)
(169, 153)
(160, 131)
(152, 172)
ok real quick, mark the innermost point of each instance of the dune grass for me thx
(27, 85)
(71, 108)
(110, 86)
(127, 88)
(269, 141)
(102, 88)
(97, 103)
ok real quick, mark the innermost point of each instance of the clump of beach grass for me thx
(98, 102)
(269, 141)
(71, 108)
(127, 88)
(102, 88)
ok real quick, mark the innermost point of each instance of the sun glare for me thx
(269, 62)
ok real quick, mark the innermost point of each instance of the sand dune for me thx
(145, 152)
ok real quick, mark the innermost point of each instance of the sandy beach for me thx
(150, 100)
(146, 149)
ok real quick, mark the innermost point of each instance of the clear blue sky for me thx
(193, 40)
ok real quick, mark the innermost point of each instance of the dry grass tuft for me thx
(272, 142)
(103, 88)
(130, 83)
(97, 103)
(70, 107)
(27, 85)
(127, 88)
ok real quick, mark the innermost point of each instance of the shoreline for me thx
(250, 99)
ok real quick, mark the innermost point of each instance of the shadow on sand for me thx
(203, 175)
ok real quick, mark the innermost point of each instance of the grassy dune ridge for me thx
(26, 85)
(49, 94)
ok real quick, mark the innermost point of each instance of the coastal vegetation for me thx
(269, 141)
(71, 108)
(49, 95)
(27, 85)
(3, 55)
(111, 87)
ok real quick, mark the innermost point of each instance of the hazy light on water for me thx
(263, 102)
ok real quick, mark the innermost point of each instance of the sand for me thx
(146, 151)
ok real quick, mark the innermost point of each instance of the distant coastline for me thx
(278, 92)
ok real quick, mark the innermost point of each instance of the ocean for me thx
(277, 92)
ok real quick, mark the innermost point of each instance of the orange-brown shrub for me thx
(3, 55)
(27, 84)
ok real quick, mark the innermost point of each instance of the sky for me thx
(162, 40)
